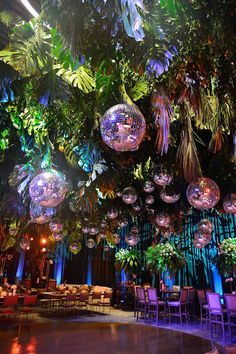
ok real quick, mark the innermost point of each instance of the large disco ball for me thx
(132, 239)
(169, 195)
(112, 214)
(203, 193)
(48, 188)
(41, 215)
(116, 238)
(55, 226)
(162, 176)
(93, 230)
(136, 207)
(123, 127)
(229, 203)
(90, 243)
(162, 219)
(129, 195)
(24, 243)
(149, 199)
(123, 222)
(149, 187)
(57, 237)
(205, 226)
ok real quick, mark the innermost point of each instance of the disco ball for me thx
(24, 243)
(106, 248)
(136, 207)
(162, 176)
(229, 203)
(41, 215)
(74, 247)
(55, 226)
(112, 214)
(123, 127)
(205, 226)
(200, 238)
(166, 232)
(102, 234)
(203, 193)
(129, 195)
(162, 219)
(197, 244)
(119, 194)
(90, 243)
(169, 195)
(149, 199)
(103, 224)
(134, 229)
(57, 237)
(93, 230)
(123, 222)
(85, 229)
(149, 187)
(116, 239)
(48, 188)
(132, 239)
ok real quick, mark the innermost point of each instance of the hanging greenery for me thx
(127, 260)
(225, 260)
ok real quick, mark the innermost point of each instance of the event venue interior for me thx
(117, 176)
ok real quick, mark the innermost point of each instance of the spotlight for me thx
(43, 249)
(43, 241)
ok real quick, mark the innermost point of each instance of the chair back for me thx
(146, 286)
(214, 304)
(176, 288)
(96, 295)
(10, 301)
(135, 290)
(30, 300)
(107, 295)
(52, 284)
(183, 296)
(152, 295)
(140, 294)
(201, 297)
(230, 302)
(28, 283)
(191, 294)
(70, 297)
(84, 295)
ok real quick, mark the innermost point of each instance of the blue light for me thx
(217, 280)
(58, 270)
(20, 268)
(89, 271)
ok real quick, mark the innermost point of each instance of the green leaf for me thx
(140, 89)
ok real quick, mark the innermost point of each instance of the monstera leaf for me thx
(88, 154)
(7, 75)
(82, 78)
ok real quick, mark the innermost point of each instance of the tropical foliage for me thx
(127, 260)
(225, 260)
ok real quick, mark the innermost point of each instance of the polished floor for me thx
(65, 337)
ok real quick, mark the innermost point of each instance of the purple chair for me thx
(230, 302)
(216, 313)
(154, 306)
(141, 304)
(179, 308)
(204, 310)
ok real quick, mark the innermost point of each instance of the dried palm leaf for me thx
(217, 141)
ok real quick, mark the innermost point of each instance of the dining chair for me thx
(96, 297)
(141, 305)
(179, 308)
(105, 301)
(204, 310)
(230, 303)
(154, 306)
(216, 313)
(9, 305)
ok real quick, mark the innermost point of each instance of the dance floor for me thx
(64, 337)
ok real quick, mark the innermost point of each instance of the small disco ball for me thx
(102, 234)
(85, 229)
(197, 244)
(149, 199)
(205, 226)
(57, 237)
(123, 127)
(112, 214)
(48, 188)
(162, 176)
(103, 224)
(162, 219)
(74, 247)
(93, 230)
(55, 226)
(229, 203)
(203, 193)
(169, 195)
(24, 243)
(119, 194)
(106, 248)
(200, 238)
(132, 239)
(166, 232)
(149, 187)
(41, 215)
(129, 195)
(116, 238)
(123, 222)
(135, 229)
(136, 207)
(90, 243)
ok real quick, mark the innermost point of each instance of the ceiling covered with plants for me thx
(171, 63)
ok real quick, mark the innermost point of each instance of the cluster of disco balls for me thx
(132, 238)
(203, 193)
(56, 228)
(203, 235)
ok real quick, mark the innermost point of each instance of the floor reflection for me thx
(19, 346)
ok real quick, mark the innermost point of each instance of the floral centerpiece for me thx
(225, 260)
(162, 257)
(127, 260)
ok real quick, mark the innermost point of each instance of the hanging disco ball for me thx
(200, 238)
(102, 234)
(149, 199)
(74, 247)
(149, 187)
(85, 229)
(106, 248)
(90, 243)
(129, 195)
(93, 230)
(119, 194)
(48, 188)
(162, 219)
(55, 226)
(229, 203)
(132, 239)
(134, 229)
(57, 237)
(203, 193)
(169, 195)
(103, 224)
(123, 222)
(24, 243)
(197, 244)
(123, 127)
(41, 215)
(112, 214)
(136, 207)
(162, 176)
(116, 239)
(166, 232)
(205, 226)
